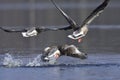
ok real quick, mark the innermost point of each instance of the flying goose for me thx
(81, 30)
(54, 52)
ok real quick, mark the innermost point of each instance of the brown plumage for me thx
(62, 50)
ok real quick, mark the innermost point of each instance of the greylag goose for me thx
(54, 52)
(81, 30)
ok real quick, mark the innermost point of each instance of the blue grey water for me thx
(103, 61)
(96, 67)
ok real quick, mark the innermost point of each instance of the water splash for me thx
(10, 61)
(36, 61)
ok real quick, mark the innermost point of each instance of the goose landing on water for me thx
(81, 30)
(54, 52)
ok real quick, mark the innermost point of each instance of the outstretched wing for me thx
(40, 29)
(70, 20)
(95, 13)
(13, 30)
(65, 28)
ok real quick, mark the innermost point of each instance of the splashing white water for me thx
(9, 61)
(36, 61)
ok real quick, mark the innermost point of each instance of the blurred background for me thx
(103, 35)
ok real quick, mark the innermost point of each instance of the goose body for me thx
(54, 52)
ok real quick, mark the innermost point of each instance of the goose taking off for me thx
(33, 31)
(54, 52)
(81, 30)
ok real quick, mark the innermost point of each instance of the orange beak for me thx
(79, 40)
(57, 56)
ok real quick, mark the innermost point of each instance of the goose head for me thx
(51, 54)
